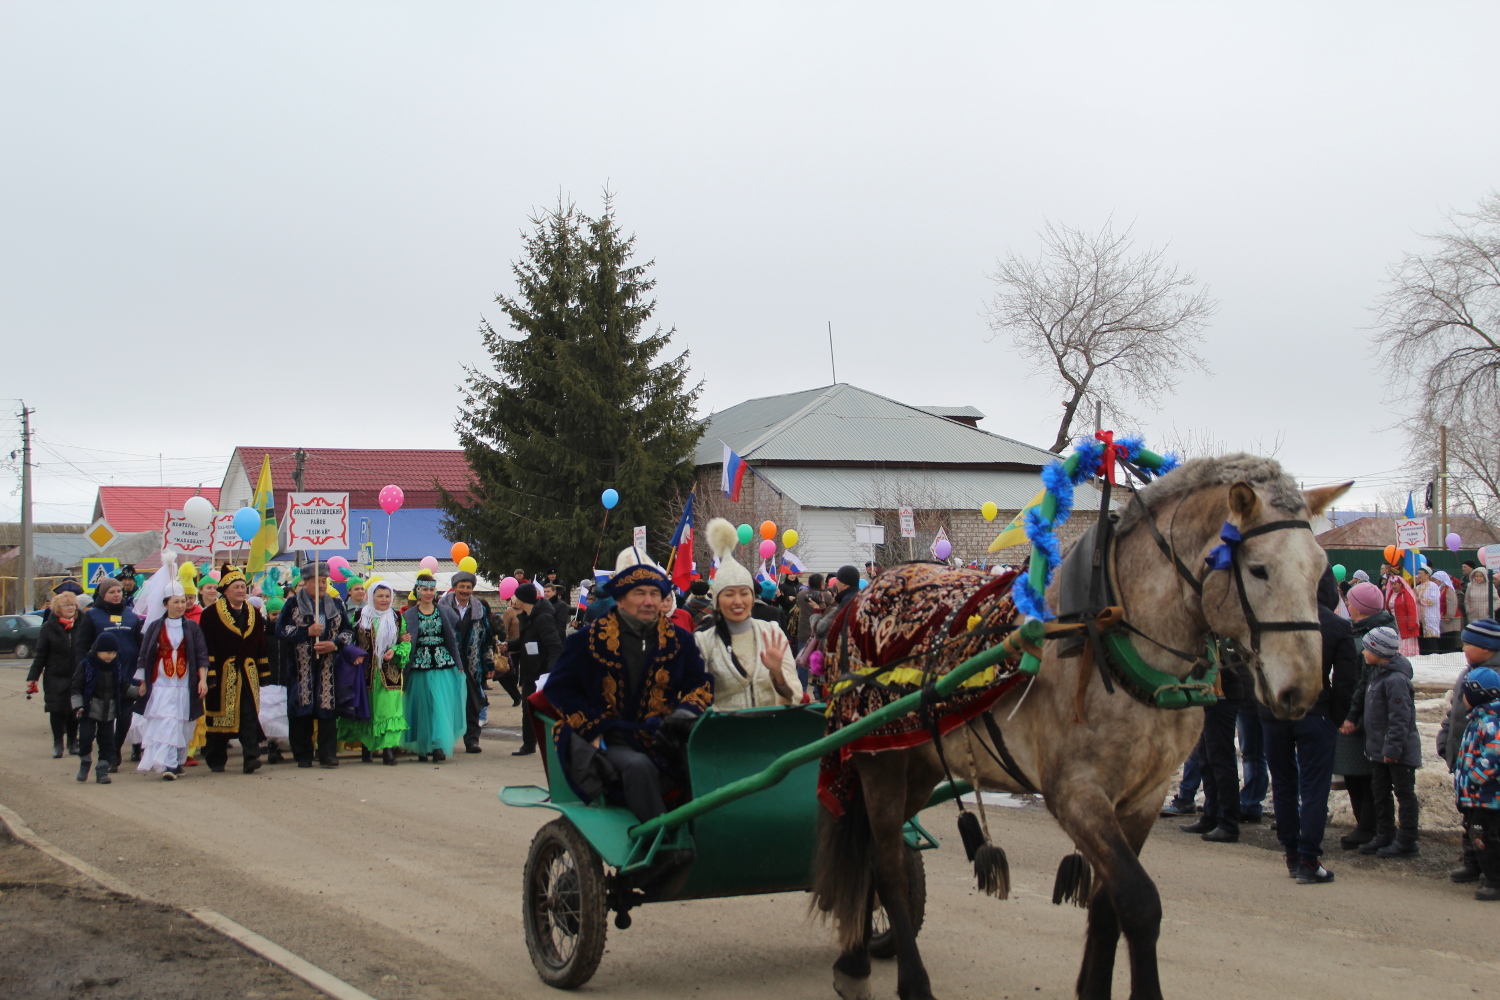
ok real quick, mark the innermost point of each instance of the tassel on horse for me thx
(991, 866)
(1075, 881)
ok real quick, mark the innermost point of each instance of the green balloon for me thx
(1339, 572)
(746, 533)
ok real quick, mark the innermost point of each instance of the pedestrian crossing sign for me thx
(96, 571)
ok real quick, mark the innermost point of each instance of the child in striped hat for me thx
(1481, 639)
(1392, 745)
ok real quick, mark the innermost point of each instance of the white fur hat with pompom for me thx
(722, 538)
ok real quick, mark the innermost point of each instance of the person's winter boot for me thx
(1374, 844)
(84, 763)
(364, 755)
(57, 749)
(135, 752)
(1489, 892)
(250, 765)
(1399, 849)
(72, 746)
(1222, 834)
(439, 756)
(1176, 808)
(1466, 872)
(1292, 864)
(1201, 826)
(101, 774)
(1312, 873)
(388, 756)
(1355, 838)
(273, 753)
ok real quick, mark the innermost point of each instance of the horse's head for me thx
(1261, 591)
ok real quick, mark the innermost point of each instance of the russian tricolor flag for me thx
(790, 564)
(734, 474)
(682, 548)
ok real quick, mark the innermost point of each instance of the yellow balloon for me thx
(332, 592)
(789, 537)
(989, 510)
(467, 564)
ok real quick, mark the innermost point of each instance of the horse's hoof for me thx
(850, 988)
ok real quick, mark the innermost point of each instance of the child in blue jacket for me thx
(1476, 779)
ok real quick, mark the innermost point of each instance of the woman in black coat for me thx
(53, 665)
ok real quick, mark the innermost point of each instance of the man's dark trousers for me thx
(1221, 768)
(1299, 754)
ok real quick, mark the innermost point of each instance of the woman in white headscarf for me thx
(382, 630)
(1452, 621)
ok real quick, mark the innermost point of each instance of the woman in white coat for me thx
(750, 660)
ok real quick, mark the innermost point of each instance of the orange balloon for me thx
(768, 530)
(459, 551)
(1392, 554)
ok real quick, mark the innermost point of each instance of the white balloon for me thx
(199, 512)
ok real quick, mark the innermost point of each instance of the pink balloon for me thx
(767, 549)
(430, 563)
(214, 576)
(391, 498)
(508, 588)
(334, 562)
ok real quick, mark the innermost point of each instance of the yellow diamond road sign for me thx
(101, 534)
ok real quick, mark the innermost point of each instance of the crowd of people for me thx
(170, 677)
(1362, 728)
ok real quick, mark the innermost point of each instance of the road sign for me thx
(638, 539)
(96, 570)
(317, 522)
(1490, 556)
(100, 534)
(908, 523)
(180, 534)
(1411, 533)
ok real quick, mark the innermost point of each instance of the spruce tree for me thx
(579, 401)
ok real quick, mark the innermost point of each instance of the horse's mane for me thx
(1264, 474)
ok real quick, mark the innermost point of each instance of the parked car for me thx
(18, 634)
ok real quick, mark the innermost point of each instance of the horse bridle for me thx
(1257, 627)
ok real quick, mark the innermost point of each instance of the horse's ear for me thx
(1244, 503)
(1319, 499)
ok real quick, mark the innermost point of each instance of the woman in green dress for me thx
(434, 693)
(382, 630)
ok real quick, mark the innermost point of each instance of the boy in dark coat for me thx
(96, 703)
(1391, 745)
(1476, 780)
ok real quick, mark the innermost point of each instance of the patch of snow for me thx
(1438, 668)
(1004, 800)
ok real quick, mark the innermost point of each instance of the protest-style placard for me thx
(225, 537)
(180, 534)
(638, 538)
(908, 523)
(1411, 532)
(317, 522)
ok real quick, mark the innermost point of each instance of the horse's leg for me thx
(1133, 907)
(851, 971)
(888, 784)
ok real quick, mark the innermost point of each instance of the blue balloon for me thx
(863, 584)
(609, 499)
(246, 523)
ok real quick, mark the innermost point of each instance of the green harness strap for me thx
(1156, 687)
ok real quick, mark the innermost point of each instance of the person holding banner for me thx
(313, 629)
(434, 696)
(236, 640)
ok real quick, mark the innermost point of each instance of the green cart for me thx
(749, 828)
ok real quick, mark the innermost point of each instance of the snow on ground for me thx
(1438, 668)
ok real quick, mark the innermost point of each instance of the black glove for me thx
(676, 727)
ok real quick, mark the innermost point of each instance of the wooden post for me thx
(1443, 481)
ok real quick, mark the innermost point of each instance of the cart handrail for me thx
(1030, 634)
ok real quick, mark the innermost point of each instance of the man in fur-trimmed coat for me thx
(313, 630)
(236, 638)
(628, 689)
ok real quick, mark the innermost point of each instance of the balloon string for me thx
(387, 535)
(600, 545)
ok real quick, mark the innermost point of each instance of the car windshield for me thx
(31, 619)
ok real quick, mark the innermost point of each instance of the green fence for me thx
(1370, 560)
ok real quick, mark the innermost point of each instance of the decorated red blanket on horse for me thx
(905, 630)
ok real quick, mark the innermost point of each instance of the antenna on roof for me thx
(831, 363)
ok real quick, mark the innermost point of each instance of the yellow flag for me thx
(265, 543)
(1015, 532)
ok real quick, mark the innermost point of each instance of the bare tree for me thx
(1438, 335)
(1105, 322)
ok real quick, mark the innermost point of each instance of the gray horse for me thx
(1102, 760)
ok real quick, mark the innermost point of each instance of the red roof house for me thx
(143, 508)
(362, 472)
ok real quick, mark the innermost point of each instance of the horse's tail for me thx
(843, 872)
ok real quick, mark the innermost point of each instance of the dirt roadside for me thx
(405, 881)
(65, 938)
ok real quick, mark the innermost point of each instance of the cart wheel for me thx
(882, 941)
(563, 906)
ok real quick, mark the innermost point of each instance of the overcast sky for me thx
(260, 223)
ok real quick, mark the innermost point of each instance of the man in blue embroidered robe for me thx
(628, 689)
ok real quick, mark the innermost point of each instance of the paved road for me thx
(405, 882)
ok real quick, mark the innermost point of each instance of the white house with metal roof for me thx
(827, 460)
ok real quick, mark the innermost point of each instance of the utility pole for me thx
(301, 456)
(831, 362)
(1098, 415)
(26, 565)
